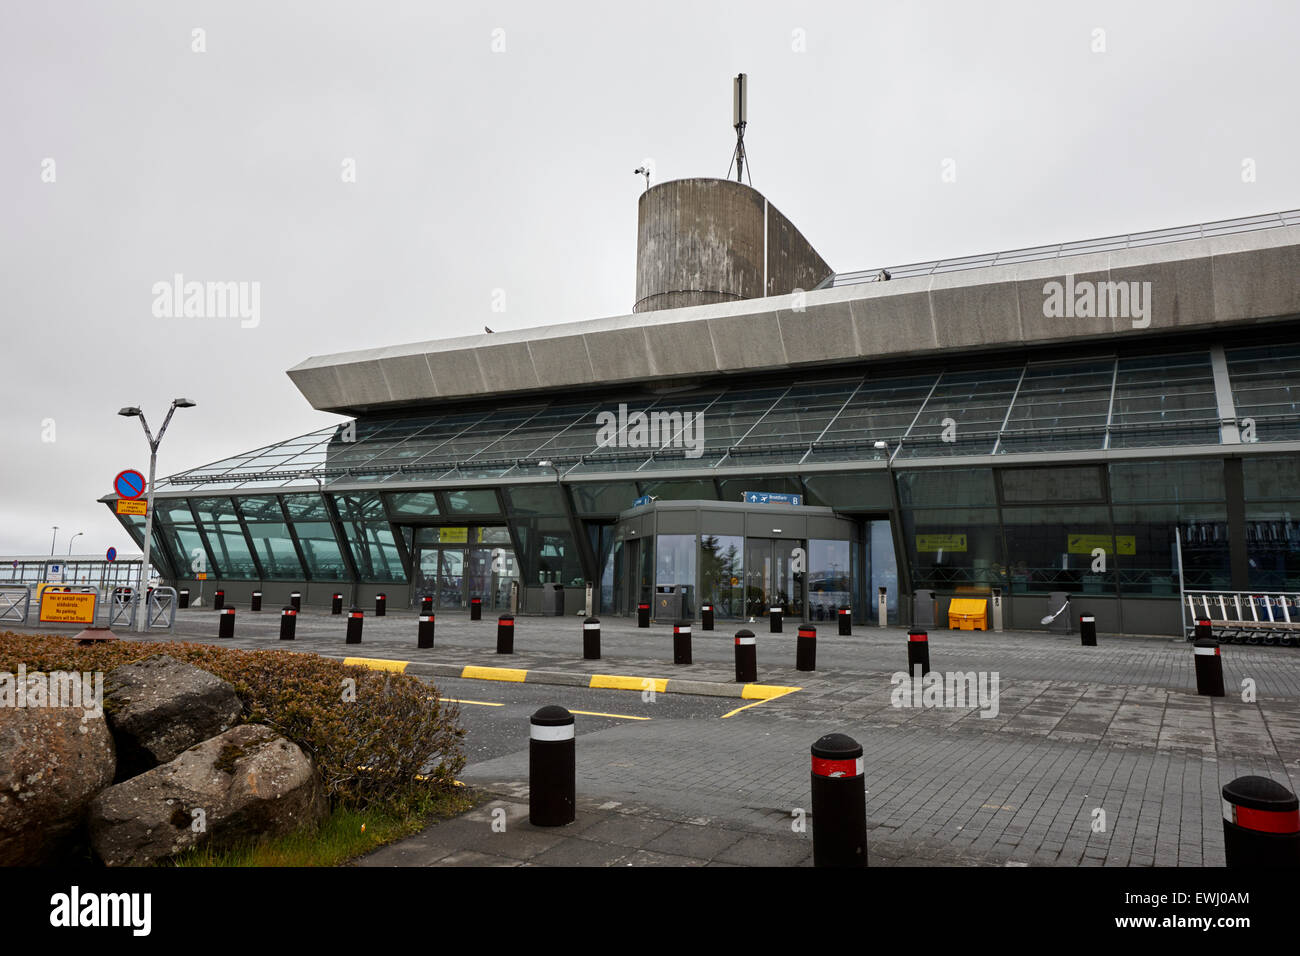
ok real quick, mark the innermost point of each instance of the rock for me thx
(159, 707)
(51, 764)
(249, 783)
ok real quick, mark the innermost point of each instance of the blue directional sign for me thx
(111, 555)
(771, 498)
(129, 484)
(643, 500)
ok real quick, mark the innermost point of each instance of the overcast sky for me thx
(493, 146)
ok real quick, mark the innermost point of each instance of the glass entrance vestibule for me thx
(743, 559)
(455, 564)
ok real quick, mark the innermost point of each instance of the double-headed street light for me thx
(132, 411)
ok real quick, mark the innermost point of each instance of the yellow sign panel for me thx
(130, 506)
(940, 542)
(453, 535)
(202, 576)
(1087, 543)
(67, 607)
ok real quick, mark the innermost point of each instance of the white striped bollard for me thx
(746, 657)
(552, 768)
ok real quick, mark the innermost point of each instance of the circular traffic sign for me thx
(111, 555)
(129, 484)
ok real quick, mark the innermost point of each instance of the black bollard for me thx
(355, 619)
(381, 605)
(424, 634)
(476, 609)
(426, 604)
(839, 802)
(1204, 630)
(295, 600)
(506, 634)
(706, 617)
(846, 622)
(746, 657)
(218, 600)
(1261, 824)
(256, 603)
(805, 649)
(183, 598)
(774, 616)
(1087, 630)
(643, 615)
(682, 642)
(288, 622)
(1209, 668)
(226, 623)
(552, 768)
(918, 651)
(336, 604)
(591, 639)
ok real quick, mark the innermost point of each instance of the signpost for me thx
(130, 506)
(770, 498)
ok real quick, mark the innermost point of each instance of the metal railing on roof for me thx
(1131, 240)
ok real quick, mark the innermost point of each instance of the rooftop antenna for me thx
(739, 113)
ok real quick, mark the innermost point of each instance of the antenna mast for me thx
(739, 112)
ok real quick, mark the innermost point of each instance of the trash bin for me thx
(668, 603)
(925, 609)
(552, 600)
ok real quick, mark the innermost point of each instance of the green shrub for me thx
(390, 745)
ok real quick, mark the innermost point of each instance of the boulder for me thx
(248, 783)
(52, 762)
(160, 706)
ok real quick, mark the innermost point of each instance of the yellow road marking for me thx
(616, 682)
(494, 673)
(481, 703)
(376, 664)
(766, 691)
(762, 699)
(595, 713)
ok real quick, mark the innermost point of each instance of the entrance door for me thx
(770, 578)
(451, 579)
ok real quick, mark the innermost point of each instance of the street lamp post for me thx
(73, 538)
(138, 624)
(53, 539)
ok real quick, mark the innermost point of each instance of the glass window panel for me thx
(1147, 559)
(722, 574)
(947, 487)
(1052, 484)
(1163, 400)
(953, 547)
(1266, 389)
(479, 501)
(675, 566)
(320, 550)
(536, 499)
(306, 506)
(975, 400)
(607, 498)
(1167, 481)
(702, 489)
(416, 503)
(850, 492)
(829, 578)
(1273, 544)
(1270, 478)
(1050, 549)
(802, 414)
(880, 409)
(374, 550)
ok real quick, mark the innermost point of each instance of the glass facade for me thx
(1095, 474)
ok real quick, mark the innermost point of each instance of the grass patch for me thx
(339, 839)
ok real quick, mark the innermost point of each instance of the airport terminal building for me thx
(1116, 419)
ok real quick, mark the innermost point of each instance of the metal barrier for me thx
(1247, 617)
(162, 604)
(15, 604)
(121, 607)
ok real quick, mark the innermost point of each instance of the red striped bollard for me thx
(682, 642)
(805, 649)
(219, 601)
(774, 618)
(295, 600)
(257, 601)
(336, 604)
(918, 651)
(1261, 824)
(591, 639)
(426, 604)
(706, 617)
(506, 634)
(846, 622)
(424, 632)
(288, 622)
(839, 802)
(1088, 630)
(746, 657)
(476, 609)
(226, 622)
(643, 615)
(1209, 668)
(381, 605)
(355, 620)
